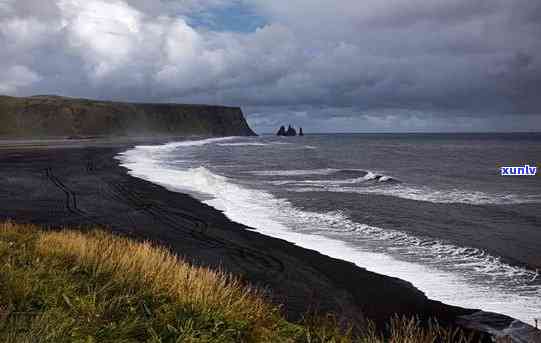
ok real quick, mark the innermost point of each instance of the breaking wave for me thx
(188, 143)
(360, 175)
(243, 144)
(422, 193)
(369, 182)
(325, 171)
(461, 276)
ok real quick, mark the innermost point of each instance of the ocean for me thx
(431, 209)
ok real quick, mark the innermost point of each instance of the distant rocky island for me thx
(290, 132)
(48, 116)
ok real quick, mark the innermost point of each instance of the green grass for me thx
(70, 286)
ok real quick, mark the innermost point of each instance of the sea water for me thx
(432, 209)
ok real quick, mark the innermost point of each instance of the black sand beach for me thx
(80, 184)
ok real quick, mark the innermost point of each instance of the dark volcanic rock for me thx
(291, 131)
(300, 132)
(54, 116)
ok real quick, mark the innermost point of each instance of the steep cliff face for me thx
(54, 116)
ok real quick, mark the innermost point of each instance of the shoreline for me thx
(79, 183)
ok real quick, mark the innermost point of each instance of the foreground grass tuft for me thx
(70, 286)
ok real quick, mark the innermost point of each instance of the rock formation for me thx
(300, 132)
(54, 116)
(291, 131)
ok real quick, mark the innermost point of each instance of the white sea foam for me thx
(369, 176)
(243, 144)
(326, 171)
(402, 190)
(187, 143)
(292, 145)
(456, 275)
(422, 193)
(323, 183)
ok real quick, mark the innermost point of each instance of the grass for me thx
(70, 286)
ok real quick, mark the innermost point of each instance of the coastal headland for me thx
(48, 116)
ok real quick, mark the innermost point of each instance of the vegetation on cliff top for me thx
(70, 286)
(60, 117)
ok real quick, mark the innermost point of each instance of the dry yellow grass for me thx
(136, 265)
(127, 269)
(70, 286)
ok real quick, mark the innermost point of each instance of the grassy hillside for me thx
(71, 286)
(54, 116)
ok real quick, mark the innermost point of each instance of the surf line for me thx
(525, 170)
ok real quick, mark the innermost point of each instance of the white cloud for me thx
(480, 56)
(104, 33)
(16, 77)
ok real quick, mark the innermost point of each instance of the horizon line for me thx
(409, 132)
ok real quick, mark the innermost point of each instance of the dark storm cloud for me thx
(415, 64)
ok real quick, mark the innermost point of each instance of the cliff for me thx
(54, 116)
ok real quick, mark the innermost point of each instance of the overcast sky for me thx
(326, 65)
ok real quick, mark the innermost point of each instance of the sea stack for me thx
(300, 132)
(291, 131)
